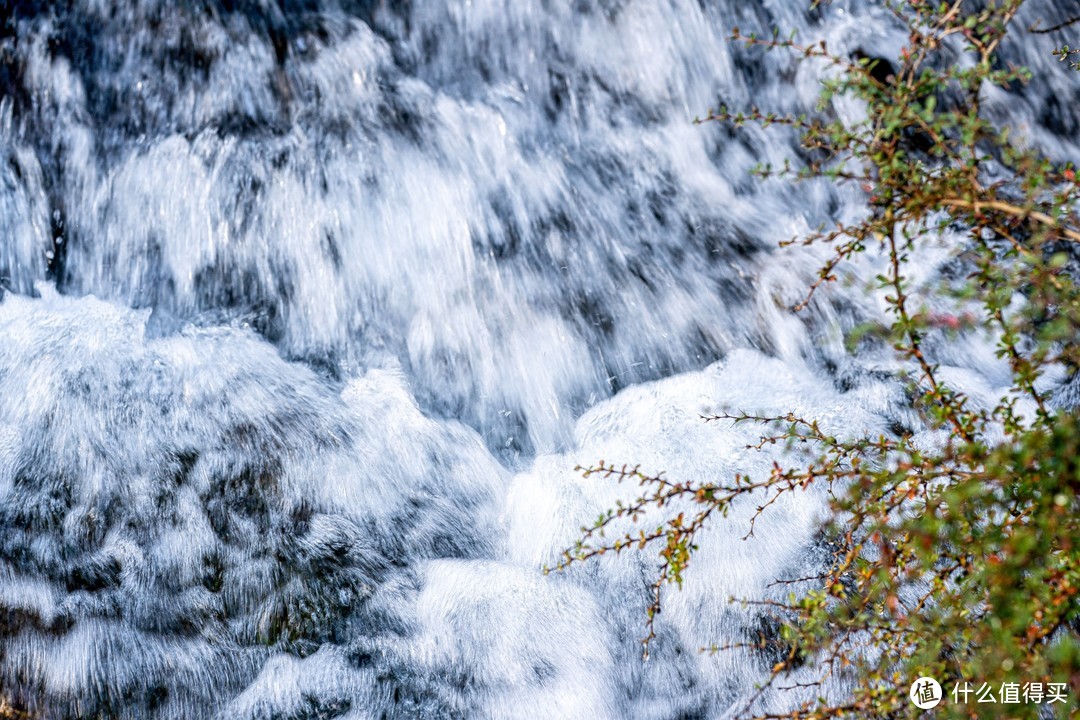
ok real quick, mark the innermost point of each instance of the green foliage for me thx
(958, 561)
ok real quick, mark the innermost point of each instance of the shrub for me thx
(955, 559)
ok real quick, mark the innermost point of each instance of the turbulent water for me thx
(312, 308)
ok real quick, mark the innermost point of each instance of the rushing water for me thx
(313, 307)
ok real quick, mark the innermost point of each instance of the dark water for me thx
(313, 307)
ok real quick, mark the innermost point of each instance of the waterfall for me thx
(312, 308)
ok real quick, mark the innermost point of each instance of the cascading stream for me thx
(312, 308)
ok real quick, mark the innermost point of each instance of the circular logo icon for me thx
(925, 693)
